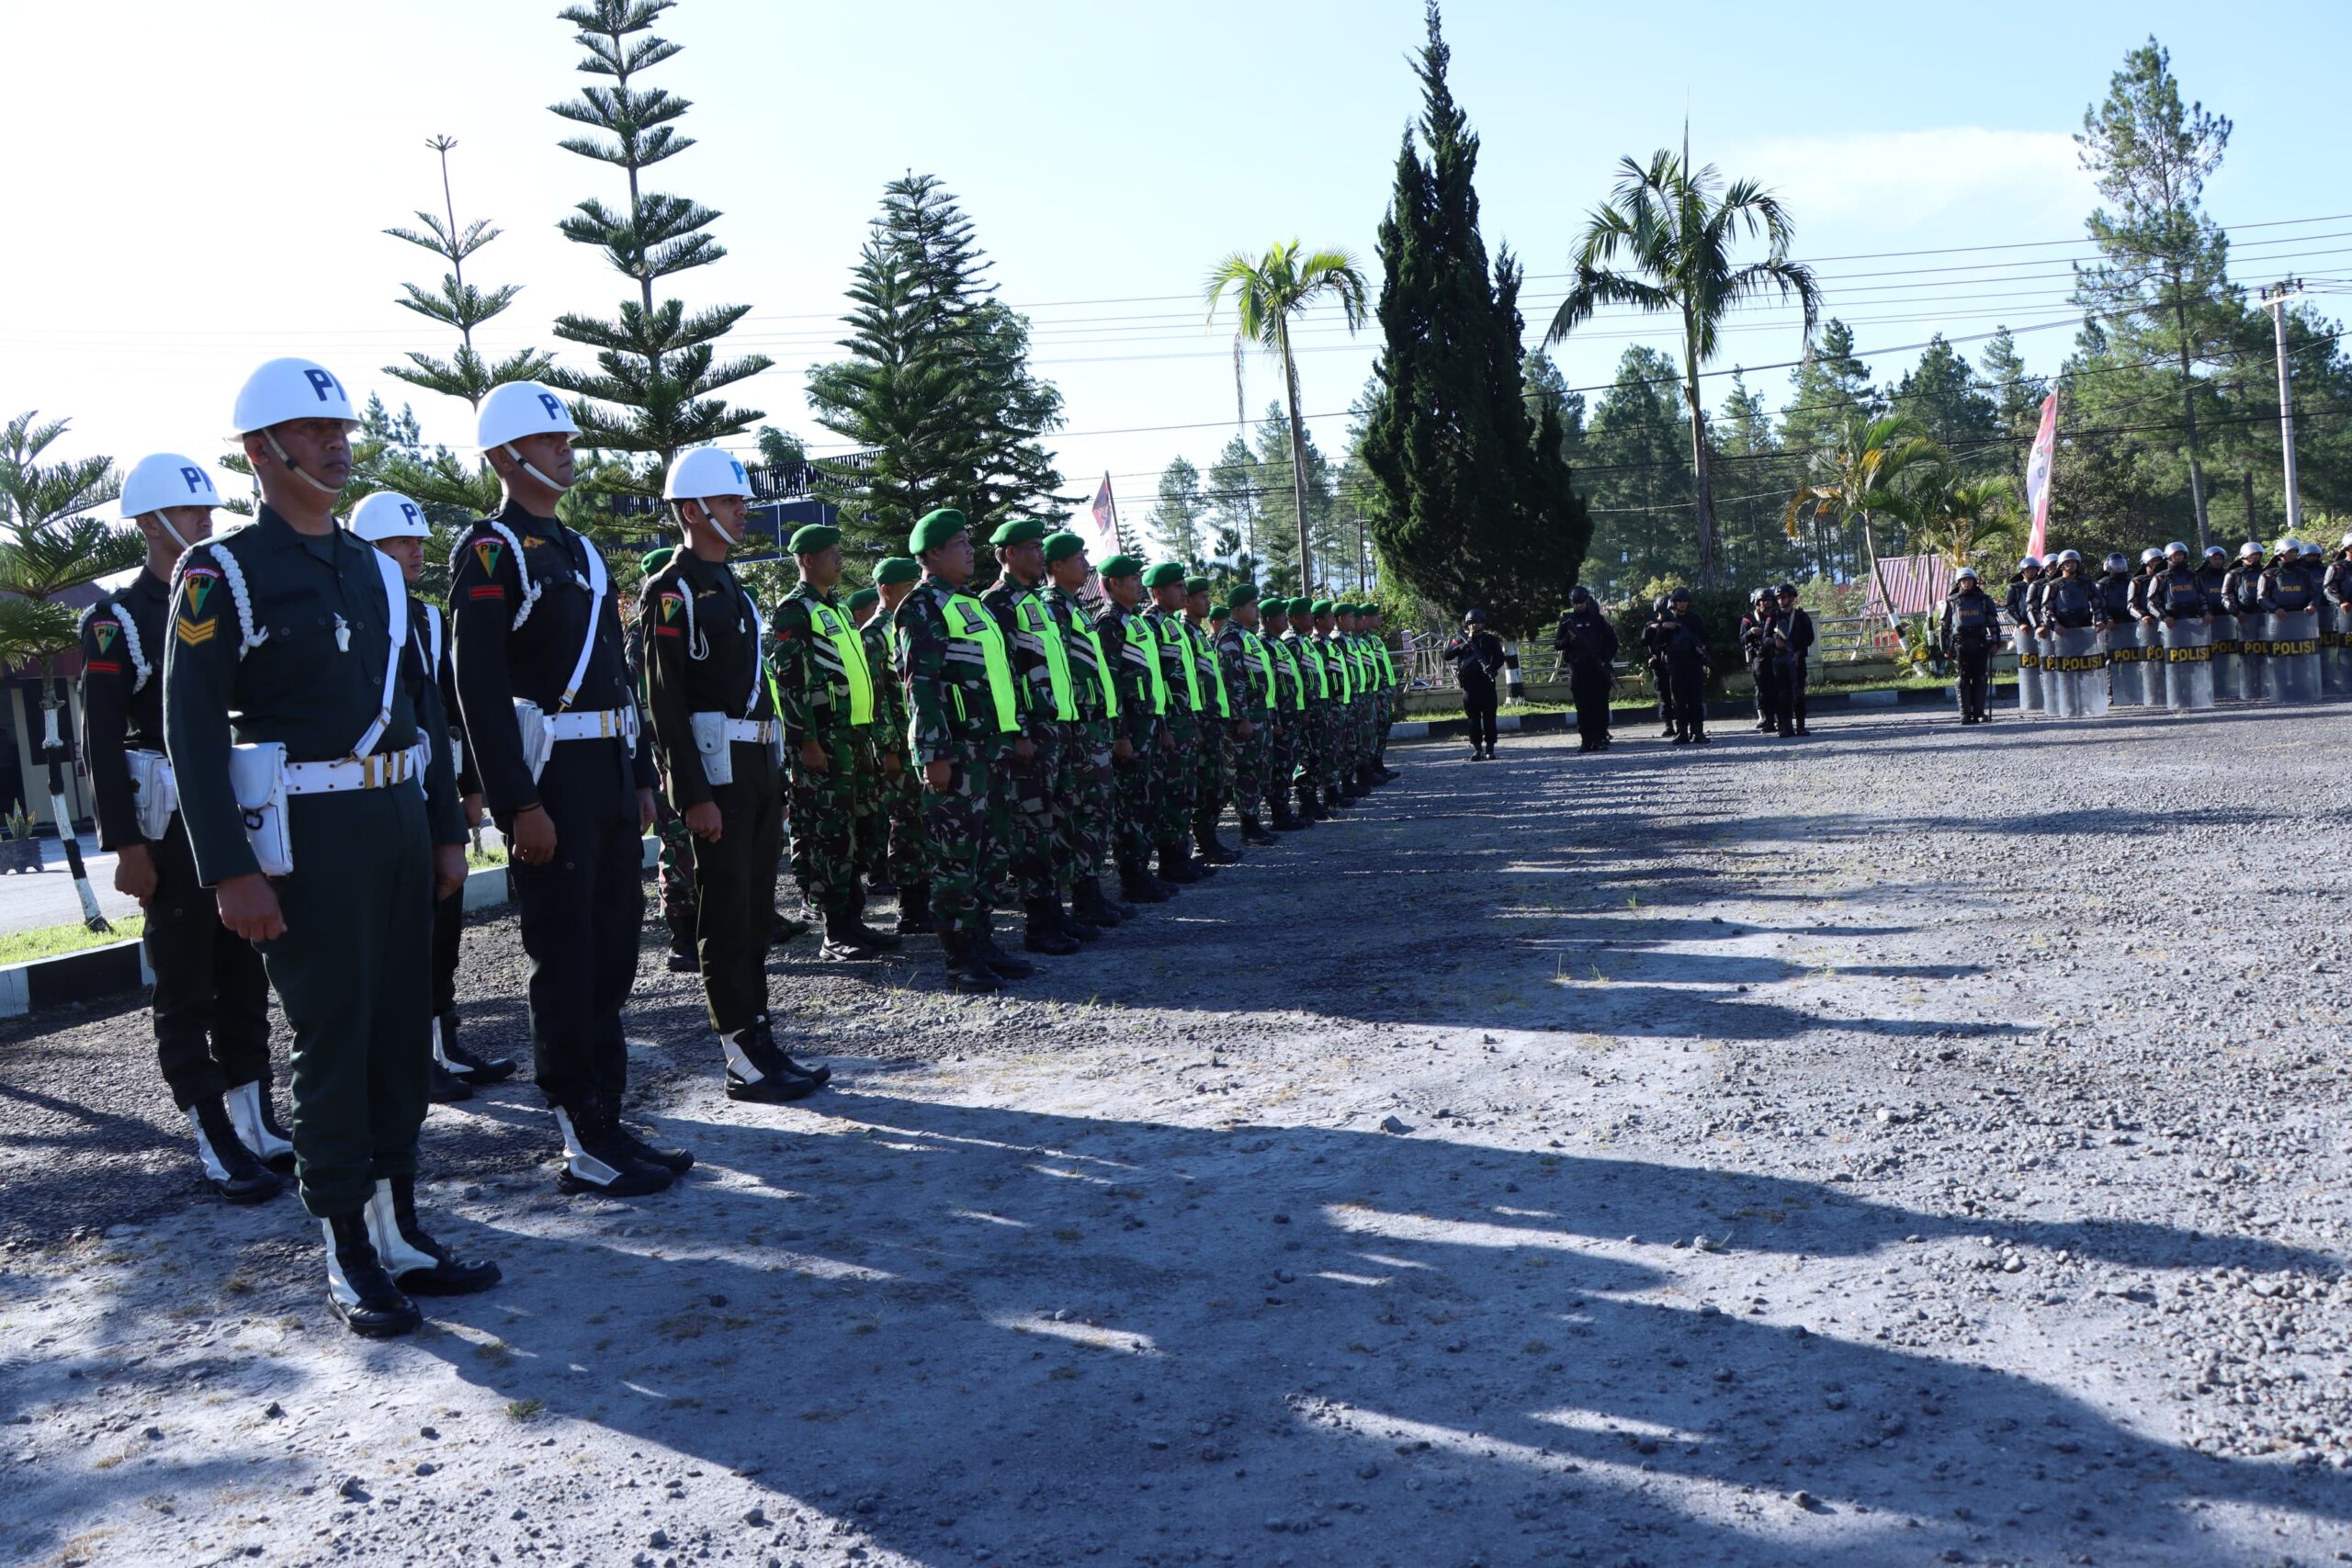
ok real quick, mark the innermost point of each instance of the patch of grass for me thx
(47, 942)
(523, 1409)
(485, 858)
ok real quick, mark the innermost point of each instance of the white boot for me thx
(245, 1105)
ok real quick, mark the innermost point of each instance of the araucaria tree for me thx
(50, 540)
(936, 394)
(657, 365)
(1473, 504)
(1663, 243)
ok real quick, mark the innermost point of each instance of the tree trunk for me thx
(1710, 566)
(53, 753)
(1878, 577)
(1298, 462)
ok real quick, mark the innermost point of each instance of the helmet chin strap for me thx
(164, 520)
(293, 467)
(531, 468)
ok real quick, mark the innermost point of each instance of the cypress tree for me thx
(1473, 501)
(656, 363)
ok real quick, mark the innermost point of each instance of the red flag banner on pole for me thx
(1107, 513)
(2037, 476)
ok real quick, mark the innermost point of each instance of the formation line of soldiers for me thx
(289, 751)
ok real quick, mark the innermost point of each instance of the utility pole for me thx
(1362, 561)
(2276, 298)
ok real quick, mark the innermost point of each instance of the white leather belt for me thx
(757, 732)
(380, 771)
(604, 723)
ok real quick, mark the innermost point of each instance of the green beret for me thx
(936, 529)
(1302, 606)
(811, 537)
(1220, 613)
(1023, 531)
(1321, 608)
(1243, 593)
(1368, 610)
(1167, 574)
(863, 597)
(655, 559)
(1277, 605)
(1196, 585)
(895, 568)
(1120, 566)
(1062, 546)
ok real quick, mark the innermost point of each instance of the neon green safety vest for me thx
(1102, 669)
(1297, 680)
(1255, 646)
(1313, 661)
(1030, 612)
(1387, 668)
(852, 651)
(1172, 634)
(1158, 678)
(1337, 660)
(968, 621)
(1199, 641)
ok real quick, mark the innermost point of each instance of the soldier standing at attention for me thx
(396, 526)
(212, 1000)
(1213, 781)
(1025, 771)
(1176, 769)
(1248, 670)
(312, 765)
(1288, 714)
(901, 788)
(960, 689)
(543, 675)
(1131, 653)
(1090, 744)
(1314, 683)
(828, 693)
(714, 727)
(1968, 630)
(1387, 691)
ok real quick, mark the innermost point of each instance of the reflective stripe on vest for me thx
(1101, 666)
(1253, 644)
(1030, 612)
(1170, 634)
(1339, 663)
(968, 621)
(850, 649)
(1313, 661)
(1387, 667)
(1297, 680)
(1200, 643)
(1158, 676)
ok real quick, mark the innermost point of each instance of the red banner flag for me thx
(2037, 476)
(1107, 513)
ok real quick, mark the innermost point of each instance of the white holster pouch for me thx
(257, 778)
(712, 744)
(156, 792)
(538, 740)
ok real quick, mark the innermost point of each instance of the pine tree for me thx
(1176, 519)
(2017, 395)
(656, 363)
(1941, 393)
(936, 394)
(1475, 506)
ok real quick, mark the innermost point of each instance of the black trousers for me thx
(1687, 681)
(736, 877)
(211, 996)
(448, 930)
(579, 914)
(353, 969)
(1976, 679)
(1478, 705)
(1765, 672)
(1590, 690)
(1788, 693)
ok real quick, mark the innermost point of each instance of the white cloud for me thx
(1898, 184)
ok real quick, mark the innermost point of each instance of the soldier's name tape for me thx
(2075, 663)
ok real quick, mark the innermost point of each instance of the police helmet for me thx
(2074, 555)
(2176, 548)
(2311, 549)
(1966, 573)
(703, 472)
(2344, 543)
(1580, 594)
(388, 516)
(1475, 618)
(2031, 563)
(282, 390)
(1786, 590)
(2118, 561)
(2252, 551)
(1679, 595)
(2151, 554)
(517, 409)
(2287, 548)
(165, 479)
(2212, 551)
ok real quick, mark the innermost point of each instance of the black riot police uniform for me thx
(211, 999)
(1791, 637)
(1476, 656)
(522, 591)
(1587, 645)
(1756, 651)
(1969, 630)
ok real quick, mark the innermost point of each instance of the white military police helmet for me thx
(1965, 574)
(517, 409)
(706, 471)
(388, 516)
(283, 389)
(165, 479)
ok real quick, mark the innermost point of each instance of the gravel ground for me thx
(1844, 1153)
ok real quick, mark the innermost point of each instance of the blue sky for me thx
(220, 178)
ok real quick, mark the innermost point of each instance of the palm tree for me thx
(50, 542)
(1674, 231)
(1960, 518)
(1871, 469)
(1266, 294)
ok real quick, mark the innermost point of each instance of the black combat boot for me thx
(965, 973)
(359, 1291)
(419, 1265)
(444, 1086)
(1045, 932)
(1280, 818)
(595, 1162)
(1310, 805)
(609, 1125)
(1138, 886)
(1088, 905)
(1176, 868)
(788, 928)
(1073, 925)
(474, 1069)
(1212, 850)
(252, 1113)
(1254, 832)
(914, 909)
(234, 1171)
(759, 1072)
(681, 962)
(1007, 968)
(881, 942)
(845, 941)
(1334, 802)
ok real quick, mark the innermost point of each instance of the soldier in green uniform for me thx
(1024, 779)
(828, 693)
(961, 694)
(716, 735)
(1354, 648)
(1289, 716)
(1091, 746)
(1314, 690)
(1213, 786)
(899, 853)
(313, 763)
(1175, 768)
(1248, 669)
(212, 1000)
(1338, 794)
(1131, 653)
(1389, 693)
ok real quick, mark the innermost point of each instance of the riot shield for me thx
(2336, 654)
(2294, 656)
(2077, 665)
(2228, 670)
(2125, 686)
(2029, 671)
(2151, 661)
(2254, 655)
(2189, 665)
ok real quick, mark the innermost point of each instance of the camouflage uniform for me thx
(1026, 789)
(1176, 774)
(1314, 721)
(1244, 663)
(1338, 714)
(959, 717)
(1289, 716)
(890, 839)
(1132, 648)
(1084, 785)
(1213, 780)
(819, 695)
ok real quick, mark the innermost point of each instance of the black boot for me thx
(881, 885)
(1310, 805)
(881, 942)
(1073, 925)
(234, 1170)
(788, 928)
(681, 962)
(419, 1265)
(914, 909)
(1176, 868)
(444, 1086)
(1006, 966)
(758, 1070)
(1088, 905)
(1045, 932)
(966, 974)
(1212, 850)
(820, 1075)
(1138, 886)
(360, 1293)
(1283, 818)
(595, 1162)
(844, 942)
(677, 1162)
(1334, 802)
(1254, 832)
(476, 1069)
